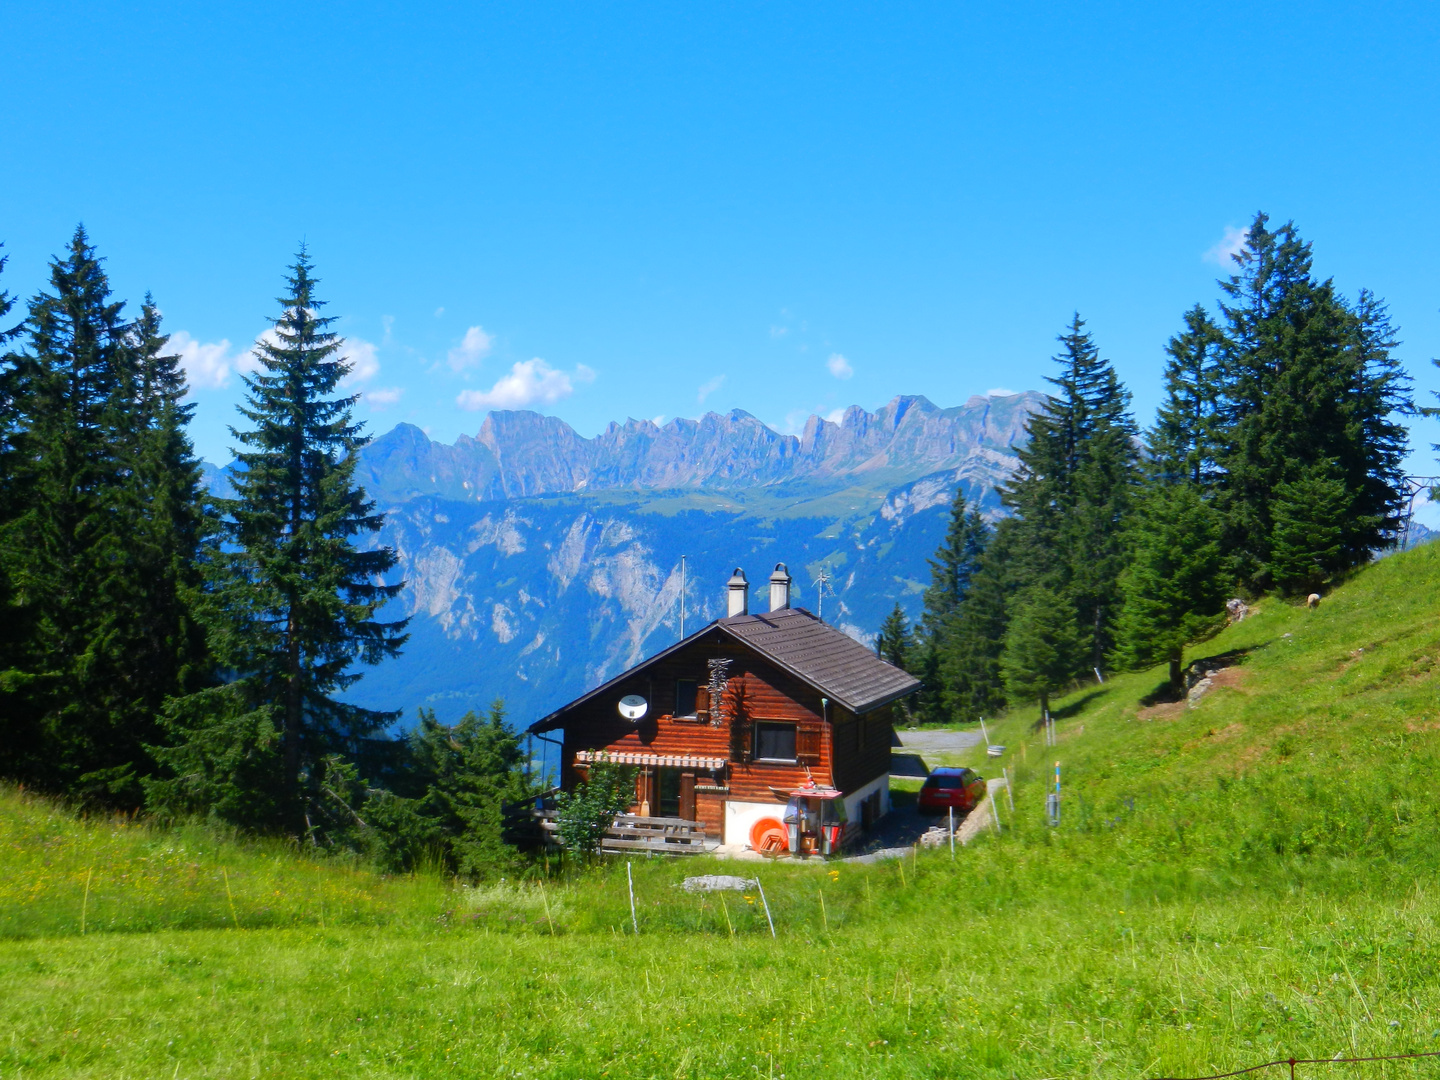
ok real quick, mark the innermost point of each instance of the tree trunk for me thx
(1177, 676)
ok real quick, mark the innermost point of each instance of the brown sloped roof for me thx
(832, 662)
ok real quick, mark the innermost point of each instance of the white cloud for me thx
(658, 421)
(383, 397)
(473, 348)
(530, 382)
(709, 387)
(1228, 247)
(835, 415)
(839, 366)
(779, 331)
(207, 364)
(250, 363)
(439, 311)
(1000, 391)
(364, 362)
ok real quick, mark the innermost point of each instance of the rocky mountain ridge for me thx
(522, 454)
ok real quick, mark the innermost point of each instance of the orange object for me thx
(767, 834)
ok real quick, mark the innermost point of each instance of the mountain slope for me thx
(1319, 735)
(539, 562)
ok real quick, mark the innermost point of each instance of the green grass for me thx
(1248, 879)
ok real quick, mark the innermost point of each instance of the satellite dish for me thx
(633, 706)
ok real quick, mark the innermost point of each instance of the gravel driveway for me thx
(932, 742)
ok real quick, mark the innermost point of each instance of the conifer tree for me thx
(462, 777)
(896, 643)
(1309, 383)
(1043, 647)
(17, 722)
(970, 673)
(165, 520)
(1312, 515)
(954, 564)
(1174, 588)
(98, 474)
(1184, 443)
(951, 572)
(72, 396)
(293, 599)
(1073, 489)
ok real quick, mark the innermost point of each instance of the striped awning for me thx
(673, 761)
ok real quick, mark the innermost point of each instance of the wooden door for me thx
(687, 796)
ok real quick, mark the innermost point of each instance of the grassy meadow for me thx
(1249, 879)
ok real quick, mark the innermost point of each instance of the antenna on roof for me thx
(822, 585)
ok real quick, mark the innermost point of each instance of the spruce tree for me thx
(1043, 647)
(896, 643)
(100, 537)
(18, 730)
(954, 564)
(462, 777)
(1309, 383)
(951, 571)
(1174, 588)
(72, 566)
(1312, 516)
(1072, 492)
(293, 598)
(166, 521)
(970, 673)
(1184, 443)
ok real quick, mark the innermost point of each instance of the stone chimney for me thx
(738, 593)
(780, 588)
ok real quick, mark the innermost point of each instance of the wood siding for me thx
(848, 753)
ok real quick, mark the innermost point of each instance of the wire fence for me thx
(1292, 1062)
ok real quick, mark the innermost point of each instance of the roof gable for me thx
(794, 640)
(829, 660)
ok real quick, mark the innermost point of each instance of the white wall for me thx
(855, 798)
(741, 816)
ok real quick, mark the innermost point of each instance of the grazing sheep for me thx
(1313, 600)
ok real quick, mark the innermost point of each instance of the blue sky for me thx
(652, 210)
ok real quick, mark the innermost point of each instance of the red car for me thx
(961, 788)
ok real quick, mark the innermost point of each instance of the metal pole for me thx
(768, 919)
(630, 878)
(952, 834)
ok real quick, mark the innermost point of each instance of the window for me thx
(774, 742)
(685, 697)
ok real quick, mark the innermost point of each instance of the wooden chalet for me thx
(737, 716)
